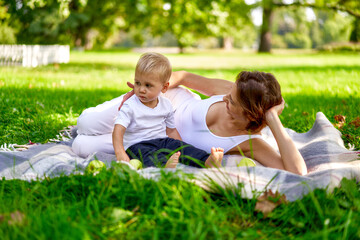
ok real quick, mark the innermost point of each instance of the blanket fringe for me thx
(64, 135)
(8, 147)
(351, 147)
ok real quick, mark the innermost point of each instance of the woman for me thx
(225, 119)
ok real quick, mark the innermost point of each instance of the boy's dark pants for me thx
(156, 152)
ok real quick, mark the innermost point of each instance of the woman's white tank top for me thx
(190, 121)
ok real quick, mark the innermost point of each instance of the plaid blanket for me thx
(326, 157)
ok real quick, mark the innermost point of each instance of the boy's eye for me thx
(137, 83)
(148, 85)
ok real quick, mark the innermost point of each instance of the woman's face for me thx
(234, 108)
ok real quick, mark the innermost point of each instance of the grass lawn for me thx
(37, 103)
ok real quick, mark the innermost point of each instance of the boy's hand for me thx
(127, 95)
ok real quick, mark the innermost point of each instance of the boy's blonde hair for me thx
(154, 63)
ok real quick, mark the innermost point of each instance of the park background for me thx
(248, 25)
(314, 53)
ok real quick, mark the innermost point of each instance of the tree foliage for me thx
(351, 7)
(91, 23)
(79, 22)
(189, 20)
(292, 28)
(7, 34)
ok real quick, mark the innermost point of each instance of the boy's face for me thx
(147, 88)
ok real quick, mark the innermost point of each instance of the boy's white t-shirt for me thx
(143, 123)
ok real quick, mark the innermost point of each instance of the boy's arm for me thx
(173, 133)
(118, 143)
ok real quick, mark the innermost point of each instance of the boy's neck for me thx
(151, 104)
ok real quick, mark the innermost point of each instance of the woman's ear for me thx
(165, 87)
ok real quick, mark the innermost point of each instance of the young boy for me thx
(145, 123)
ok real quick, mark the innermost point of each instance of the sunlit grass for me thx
(310, 83)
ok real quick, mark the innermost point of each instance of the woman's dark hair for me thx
(257, 92)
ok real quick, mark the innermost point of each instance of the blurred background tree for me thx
(269, 7)
(294, 28)
(89, 24)
(7, 33)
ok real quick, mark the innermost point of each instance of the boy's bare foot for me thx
(173, 160)
(215, 158)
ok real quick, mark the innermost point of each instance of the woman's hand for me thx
(176, 79)
(127, 95)
(274, 111)
(290, 155)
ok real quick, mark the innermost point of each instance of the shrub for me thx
(7, 34)
(341, 47)
(277, 41)
(297, 40)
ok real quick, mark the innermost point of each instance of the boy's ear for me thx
(165, 87)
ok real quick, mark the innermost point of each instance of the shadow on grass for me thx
(86, 66)
(275, 69)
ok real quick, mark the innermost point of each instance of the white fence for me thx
(33, 55)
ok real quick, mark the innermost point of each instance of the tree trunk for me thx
(181, 47)
(265, 35)
(355, 33)
(228, 43)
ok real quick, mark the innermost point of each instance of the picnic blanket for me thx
(326, 157)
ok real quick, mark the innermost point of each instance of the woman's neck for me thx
(222, 124)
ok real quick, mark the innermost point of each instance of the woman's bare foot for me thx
(215, 158)
(173, 160)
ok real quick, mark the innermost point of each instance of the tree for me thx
(36, 21)
(231, 21)
(186, 20)
(352, 7)
(7, 34)
(292, 28)
(355, 33)
(91, 22)
(189, 20)
(267, 20)
(297, 35)
(76, 22)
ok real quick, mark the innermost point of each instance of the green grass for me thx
(119, 204)
(37, 103)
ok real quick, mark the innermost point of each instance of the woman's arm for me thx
(289, 158)
(117, 136)
(204, 85)
(290, 155)
(173, 133)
